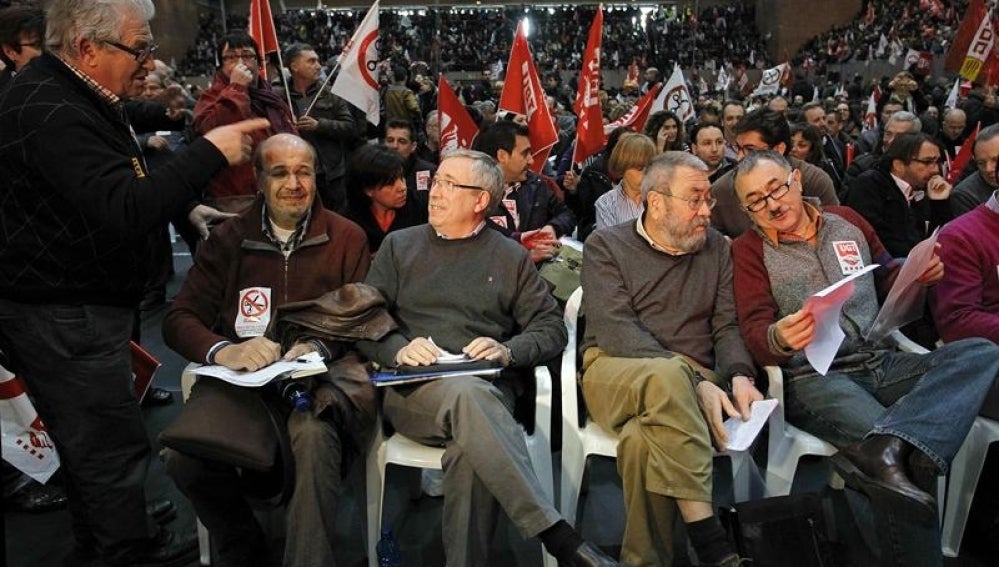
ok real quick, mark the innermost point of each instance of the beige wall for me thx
(175, 27)
(793, 22)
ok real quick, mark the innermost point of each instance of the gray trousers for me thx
(214, 490)
(485, 460)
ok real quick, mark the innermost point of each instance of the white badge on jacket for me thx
(253, 312)
(423, 180)
(848, 254)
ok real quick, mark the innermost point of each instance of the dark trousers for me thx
(76, 363)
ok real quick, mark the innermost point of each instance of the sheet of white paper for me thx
(446, 357)
(825, 307)
(907, 299)
(312, 363)
(741, 434)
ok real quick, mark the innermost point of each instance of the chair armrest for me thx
(543, 402)
(905, 344)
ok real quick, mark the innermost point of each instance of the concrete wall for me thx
(175, 26)
(793, 22)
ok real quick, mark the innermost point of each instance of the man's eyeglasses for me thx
(141, 55)
(233, 57)
(749, 148)
(929, 161)
(758, 204)
(450, 186)
(695, 203)
(36, 44)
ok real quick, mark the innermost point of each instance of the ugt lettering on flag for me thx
(979, 50)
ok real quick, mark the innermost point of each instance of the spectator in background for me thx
(623, 202)
(732, 112)
(401, 137)
(22, 35)
(378, 198)
(869, 139)
(665, 128)
(806, 145)
(237, 93)
(329, 125)
(400, 100)
(898, 123)
(708, 143)
(779, 105)
(978, 187)
(833, 151)
(951, 135)
(583, 189)
(429, 150)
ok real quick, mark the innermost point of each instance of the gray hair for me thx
(987, 134)
(485, 170)
(69, 21)
(431, 116)
(753, 159)
(662, 169)
(905, 116)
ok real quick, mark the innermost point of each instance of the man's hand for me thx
(241, 75)
(713, 400)
(307, 124)
(297, 350)
(570, 181)
(419, 352)
(251, 355)
(202, 217)
(937, 188)
(234, 141)
(796, 330)
(934, 270)
(485, 348)
(744, 393)
(543, 252)
(157, 143)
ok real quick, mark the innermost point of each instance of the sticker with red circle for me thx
(254, 312)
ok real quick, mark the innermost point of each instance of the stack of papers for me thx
(741, 434)
(307, 365)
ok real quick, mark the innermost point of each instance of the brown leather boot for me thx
(876, 466)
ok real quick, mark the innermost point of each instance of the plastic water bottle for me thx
(388, 549)
(297, 394)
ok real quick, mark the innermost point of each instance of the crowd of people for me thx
(467, 39)
(286, 195)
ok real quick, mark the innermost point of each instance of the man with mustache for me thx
(654, 366)
(898, 418)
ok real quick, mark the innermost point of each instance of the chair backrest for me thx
(572, 414)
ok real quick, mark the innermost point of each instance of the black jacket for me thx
(78, 200)
(537, 206)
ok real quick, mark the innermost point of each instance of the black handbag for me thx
(782, 531)
(242, 427)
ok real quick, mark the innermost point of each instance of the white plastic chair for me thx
(398, 449)
(965, 470)
(578, 443)
(187, 380)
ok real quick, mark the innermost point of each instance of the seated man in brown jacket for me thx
(285, 248)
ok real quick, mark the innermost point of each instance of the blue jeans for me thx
(929, 400)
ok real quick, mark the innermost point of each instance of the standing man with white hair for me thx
(79, 207)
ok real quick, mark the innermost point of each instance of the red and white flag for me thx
(589, 128)
(26, 443)
(871, 116)
(261, 29)
(675, 97)
(638, 115)
(522, 94)
(963, 157)
(981, 47)
(356, 82)
(457, 127)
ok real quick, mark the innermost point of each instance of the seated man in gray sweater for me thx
(653, 363)
(475, 291)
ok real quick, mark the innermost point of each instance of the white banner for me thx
(675, 97)
(357, 82)
(26, 444)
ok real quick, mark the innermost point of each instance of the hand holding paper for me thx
(825, 307)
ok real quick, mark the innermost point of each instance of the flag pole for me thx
(336, 68)
(284, 80)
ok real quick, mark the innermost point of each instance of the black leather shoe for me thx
(876, 467)
(589, 555)
(37, 498)
(162, 510)
(923, 471)
(166, 549)
(157, 397)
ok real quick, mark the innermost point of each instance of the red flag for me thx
(965, 34)
(963, 157)
(457, 127)
(871, 116)
(261, 29)
(589, 128)
(638, 114)
(522, 94)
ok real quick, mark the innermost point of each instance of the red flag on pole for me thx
(261, 29)
(963, 157)
(457, 127)
(638, 115)
(522, 94)
(589, 128)
(965, 34)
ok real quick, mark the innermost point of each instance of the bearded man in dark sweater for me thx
(79, 204)
(474, 291)
(653, 365)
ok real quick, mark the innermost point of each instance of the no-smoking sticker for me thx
(254, 312)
